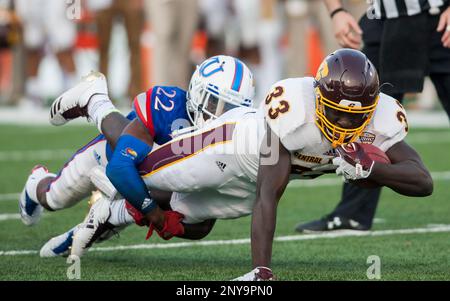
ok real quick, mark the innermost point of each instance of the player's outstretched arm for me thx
(406, 175)
(271, 183)
(132, 147)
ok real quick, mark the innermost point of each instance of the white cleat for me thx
(29, 207)
(73, 103)
(59, 245)
(93, 227)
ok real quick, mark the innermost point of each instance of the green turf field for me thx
(404, 256)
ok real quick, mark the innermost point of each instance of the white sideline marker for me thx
(338, 234)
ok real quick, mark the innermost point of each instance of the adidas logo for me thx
(97, 158)
(221, 165)
(336, 222)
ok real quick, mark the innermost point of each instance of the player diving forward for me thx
(304, 121)
(160, 110)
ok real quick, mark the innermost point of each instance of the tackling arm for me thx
(112, 127)
(406, 175)
(271, 183)
(132, 147)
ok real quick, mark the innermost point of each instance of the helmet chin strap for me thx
(200, 120)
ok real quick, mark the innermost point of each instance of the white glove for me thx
(351, 172)
(258, 274)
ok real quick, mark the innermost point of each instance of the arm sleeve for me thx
(123, 173)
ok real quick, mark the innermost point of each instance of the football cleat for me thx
(258, 274)
(331, 223)
(74, 102)
(94, 227)
(29, 207)
(59, 245)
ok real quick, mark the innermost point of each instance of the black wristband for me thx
(337, 10)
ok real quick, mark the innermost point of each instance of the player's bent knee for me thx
(55, 204)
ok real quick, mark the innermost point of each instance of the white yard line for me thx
(9, 196)
(9, 216)
(34, 155)
(428, 138)
(337, 234)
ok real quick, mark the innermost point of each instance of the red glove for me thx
(138, 217)
(172, 226)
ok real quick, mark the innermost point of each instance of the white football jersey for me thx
(289, 110)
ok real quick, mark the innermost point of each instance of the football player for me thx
(310, 117)
(298, 132)
(159, 111)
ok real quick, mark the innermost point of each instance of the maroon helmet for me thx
(346, 85)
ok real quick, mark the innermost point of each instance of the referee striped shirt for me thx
(398, 8)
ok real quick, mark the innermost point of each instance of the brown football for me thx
(376, 155)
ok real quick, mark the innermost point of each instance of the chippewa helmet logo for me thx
(323, 71)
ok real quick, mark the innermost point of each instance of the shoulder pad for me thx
(389, 118)
(287, 107)
(389, 124)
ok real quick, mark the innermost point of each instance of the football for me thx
(376, 155)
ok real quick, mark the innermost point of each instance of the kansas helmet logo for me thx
(211, 67)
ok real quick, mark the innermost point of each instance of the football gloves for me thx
(172, 226)
(138, 217)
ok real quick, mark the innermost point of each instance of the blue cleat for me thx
(29, 207)
(59, 245)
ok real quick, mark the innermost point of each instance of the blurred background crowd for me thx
(47, 45)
